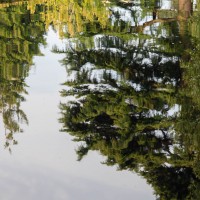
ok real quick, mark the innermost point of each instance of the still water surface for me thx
(44, 165)
(99, 100)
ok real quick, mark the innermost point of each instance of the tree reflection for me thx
(136, 100)
(20, 36)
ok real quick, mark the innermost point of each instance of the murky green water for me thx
(99, 100)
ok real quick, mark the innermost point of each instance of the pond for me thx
(99, 99)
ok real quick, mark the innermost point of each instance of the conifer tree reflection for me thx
(137, 103)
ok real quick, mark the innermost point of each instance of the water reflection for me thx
(20, 36)
(136, 96)
(133, 80)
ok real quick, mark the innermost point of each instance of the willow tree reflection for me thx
(136, 98)
(71, 17)
(20, 36)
